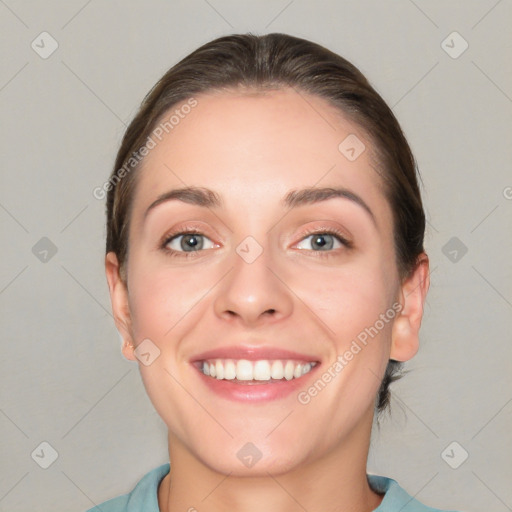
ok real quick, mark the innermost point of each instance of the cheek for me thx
(354, 304)
(347, 299)
(166, 304)
(161, 299)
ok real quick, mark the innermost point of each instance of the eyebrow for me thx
(207, 198)
(316, 195)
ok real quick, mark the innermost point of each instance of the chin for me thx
(250, 459)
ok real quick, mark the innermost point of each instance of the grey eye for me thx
(321, 242)
(189, 242)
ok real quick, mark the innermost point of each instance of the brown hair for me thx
(274, 61)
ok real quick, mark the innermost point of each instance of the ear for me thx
(120, 306)
(406, 327)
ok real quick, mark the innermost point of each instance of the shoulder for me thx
(395, 498)
(144, 495)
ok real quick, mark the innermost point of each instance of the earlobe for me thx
(405, 332)
(120, 307)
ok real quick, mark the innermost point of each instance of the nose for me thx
(253, 293)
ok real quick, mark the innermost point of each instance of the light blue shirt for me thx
(144, 497)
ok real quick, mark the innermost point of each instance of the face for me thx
(278, 263)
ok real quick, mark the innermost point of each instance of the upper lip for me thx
(252, 353)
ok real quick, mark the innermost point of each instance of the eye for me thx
(188, 242)
(323, 241)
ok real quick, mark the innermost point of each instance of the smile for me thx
(260, 370)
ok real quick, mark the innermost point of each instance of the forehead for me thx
(254, 148)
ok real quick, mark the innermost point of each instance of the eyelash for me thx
(327, 231)
(193, 231)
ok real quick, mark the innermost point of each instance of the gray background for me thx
(64, 380)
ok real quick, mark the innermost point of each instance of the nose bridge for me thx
(252, 289)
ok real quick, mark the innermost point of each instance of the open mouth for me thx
(244, 371)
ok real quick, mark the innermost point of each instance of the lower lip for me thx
(255, 391)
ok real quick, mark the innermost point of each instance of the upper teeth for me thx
(244, 369)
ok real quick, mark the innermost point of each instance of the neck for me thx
(334, 482)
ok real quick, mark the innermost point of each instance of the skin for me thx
(252, 150)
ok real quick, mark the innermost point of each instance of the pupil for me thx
(320, 241)
(190, 241)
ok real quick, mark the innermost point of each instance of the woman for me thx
(266, 268)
